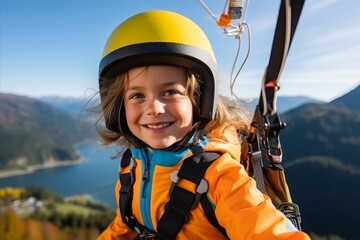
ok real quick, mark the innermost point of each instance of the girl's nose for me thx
(155, 107)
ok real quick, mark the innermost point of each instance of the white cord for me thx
(234, 30)
(208, 10)
(286, 49)
(233, 79)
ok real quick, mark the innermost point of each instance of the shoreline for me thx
(51, 163)
(34, 168)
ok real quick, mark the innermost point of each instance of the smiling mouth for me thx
(158, 126)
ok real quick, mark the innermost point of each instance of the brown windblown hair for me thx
(228, 112)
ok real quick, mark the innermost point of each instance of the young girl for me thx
(158, 98)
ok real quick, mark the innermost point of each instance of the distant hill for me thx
(77, 107)
(33, 132)
(325, 130)
(284, 103)
(82, 109)
(287, 103)
(349, 100)
(321, 144)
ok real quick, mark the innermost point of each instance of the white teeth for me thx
(162, 125)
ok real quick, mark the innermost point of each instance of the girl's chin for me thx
(161, 144)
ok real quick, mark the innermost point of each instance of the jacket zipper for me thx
(145, 178)
(145, 199)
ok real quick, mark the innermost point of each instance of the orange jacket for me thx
(240, 208)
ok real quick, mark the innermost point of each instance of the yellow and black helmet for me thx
(160, 38)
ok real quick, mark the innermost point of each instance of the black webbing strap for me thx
(266, 124)
(127, 179)
(182, 201)
(210, 215)
(126, 190)
(288, 17)
(258, 171)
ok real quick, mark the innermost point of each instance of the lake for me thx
(96, 176)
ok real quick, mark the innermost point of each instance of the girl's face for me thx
(158, 110)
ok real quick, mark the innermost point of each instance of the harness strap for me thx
(127, 179)
(182, 201)
(258, 171)
(288, 17)
(177, 210)
(264, 138)
(210, 215)
(266, 122)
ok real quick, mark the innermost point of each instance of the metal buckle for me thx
(202, 188)
(132, 170)
(271, 138)
(147, 236)
(143, 233)
(292, 212)
(174, 179)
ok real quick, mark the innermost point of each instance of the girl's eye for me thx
(136, 96)
(171, 92)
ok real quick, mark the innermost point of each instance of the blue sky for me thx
(53, 47)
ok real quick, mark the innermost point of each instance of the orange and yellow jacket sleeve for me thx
(252, 216)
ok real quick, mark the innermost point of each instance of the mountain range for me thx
(321, 144)
(33, 132)
(284, 103)
(321, 147)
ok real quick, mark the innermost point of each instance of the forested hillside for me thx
(34, 213)
(33, 132)
(321, 144)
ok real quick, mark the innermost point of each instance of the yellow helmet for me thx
(161, 38)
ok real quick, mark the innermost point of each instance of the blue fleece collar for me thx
(165, 157)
